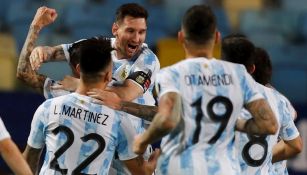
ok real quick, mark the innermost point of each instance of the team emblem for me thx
(140, 79)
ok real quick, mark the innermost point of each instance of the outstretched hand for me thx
(69, 83)
(107, 98)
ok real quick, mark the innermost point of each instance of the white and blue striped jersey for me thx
(4, 134)
(51, 93)
(281, 166)
(80, 136)
(255, 152)
(147, 62)
(213, 93)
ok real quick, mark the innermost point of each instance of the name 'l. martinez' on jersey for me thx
(213, 93)
(80, 136)
(255, 152)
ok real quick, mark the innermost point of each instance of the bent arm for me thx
(165, 120)
(128, 91)
(284, 149)
(142, 111)
(263, 120)
(13, 157)
(32, 156)
(24, 69)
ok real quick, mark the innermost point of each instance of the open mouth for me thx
(132, 48)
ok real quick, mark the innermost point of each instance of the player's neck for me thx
(83, 88)
(198, 51)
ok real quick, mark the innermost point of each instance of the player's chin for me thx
(130, 54)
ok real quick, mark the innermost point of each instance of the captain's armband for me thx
(141, 78)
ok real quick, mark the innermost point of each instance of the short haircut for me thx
(238, 49)
(263, 71)
(130, 9)
(199, 24)
(94, 55)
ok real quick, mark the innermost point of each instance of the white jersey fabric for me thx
(80, 136)
(213, 93)
(51, 93)
(254, 152)
(281, 166)
(4, 134)
(147, 62)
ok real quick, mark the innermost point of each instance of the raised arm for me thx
(43, 17)
(263, 120)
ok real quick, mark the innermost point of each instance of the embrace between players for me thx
(112, 83)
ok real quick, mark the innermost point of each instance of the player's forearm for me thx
(127, 91)
(166, 119)
(142, 111)
(24, 70)
(263, 121)
(32, 156)
(57, 54)
(14, 158)
(284, 150)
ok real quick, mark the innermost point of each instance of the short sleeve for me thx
(249, 87)
(4, 134)
(126, 134)
(66, 47)
(36, 138)
(49, 92)
(166, 81)
(288, 130)
(144, 70)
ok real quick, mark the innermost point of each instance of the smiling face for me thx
(130, 34)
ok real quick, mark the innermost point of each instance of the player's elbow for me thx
(272, 127)
(298, 146)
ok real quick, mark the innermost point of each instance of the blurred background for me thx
(279, 26)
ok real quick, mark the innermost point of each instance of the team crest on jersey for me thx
(140, 79)
(205, 65)
(124, 73)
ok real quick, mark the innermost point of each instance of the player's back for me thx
(255, 152)
(213, 93)
(80, 136)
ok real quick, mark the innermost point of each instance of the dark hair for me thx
(238, 50)
(199, 24)
(94, 55)
(263, 71)
(130, 9)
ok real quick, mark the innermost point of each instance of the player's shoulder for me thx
(147, 53)
(58, 99)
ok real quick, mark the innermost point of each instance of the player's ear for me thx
(252, 69)
(78, 69)
(180, 37)
(217, 37)
(114, 29)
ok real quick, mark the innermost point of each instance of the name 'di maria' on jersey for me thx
(81, 114)
(208, 80)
